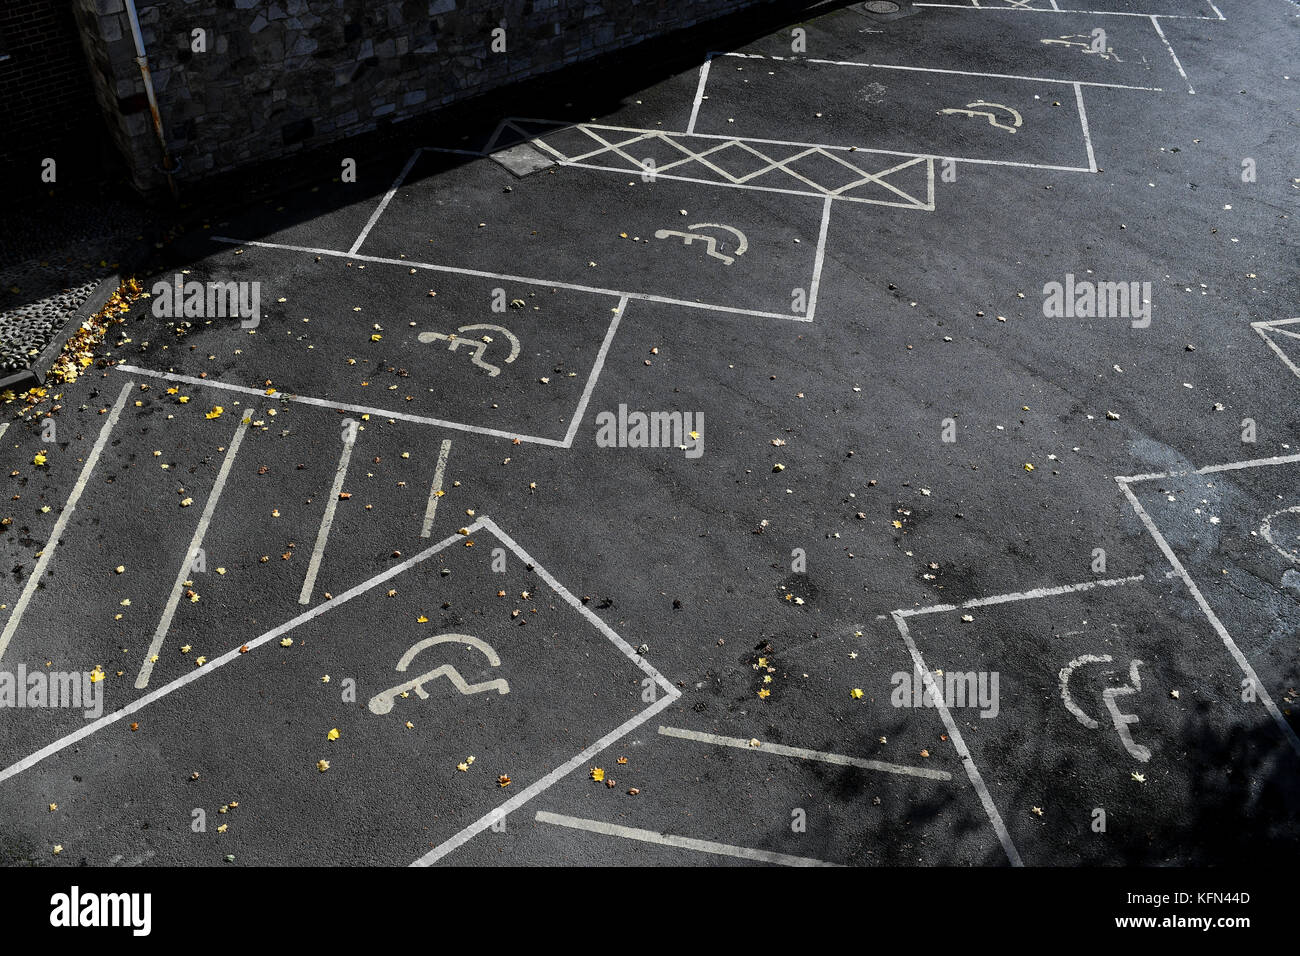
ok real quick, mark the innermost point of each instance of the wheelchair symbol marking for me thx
(1119, 719)
(710, 243)
(382, 702)
(454, 341)
(1016, 119)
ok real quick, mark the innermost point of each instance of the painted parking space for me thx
(1234, 532)
(470, 353)
(1075, 47)
(1092, 741)
(625, 227)
(978, 118)
(422, 700)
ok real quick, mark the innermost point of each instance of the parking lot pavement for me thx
(873, 446)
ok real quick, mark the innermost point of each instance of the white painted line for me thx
(431, 510)
(509, 278)
(47, 553)
(540, 786)
(1055, 7)
(1286, 359)
(762, 189)
(1095, 13)
(671, 695)
(596, 368)
(187, 562)
(1083, 121)
(885, 152)
(932, 69)
(144, 701)
(804, 754)
(591, 617)
(388, 197)
(1216, 10)
(1033, 595)
(1258, 685)
(1211, 469)
(346, 406)
(1168, 46)
(680, 842)
(788, 142)
(699, 92)
(323, 535)
(821, 250)
(4, 427)
(954, 734)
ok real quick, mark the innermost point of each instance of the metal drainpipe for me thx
(167, 167)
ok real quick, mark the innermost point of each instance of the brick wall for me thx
(47, 106)
(284, 75)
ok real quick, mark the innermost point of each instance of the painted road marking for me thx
(523, 796)
(954, 734)
(710, 243)
(1035, 594)
(1016, 119)
(1083, 122)
(435, 490)
(550, 283)
(1260, 327)
(47, 553)
(935, 138)
(1266, 530)
(679, 842)
(346, 406)
(234, 654)
(382, 703)
(187, 563)
(1120, 720)
(595, 373)
(479, 345)
(581, 608)
(388, 197)
(671, 694)
(699, 92)
(933, 69)
(1168, 46)
(1262, 693)
(331, 504)
(700, 157)
(1211, 469)
(804, 754)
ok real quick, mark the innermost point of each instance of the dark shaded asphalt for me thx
(655, 588)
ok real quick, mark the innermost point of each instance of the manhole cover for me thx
(884, 9)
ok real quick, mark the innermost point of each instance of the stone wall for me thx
(49, 109)
(283, 75)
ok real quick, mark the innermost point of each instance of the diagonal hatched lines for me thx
(608, 146)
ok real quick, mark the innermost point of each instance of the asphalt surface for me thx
(892, 427)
